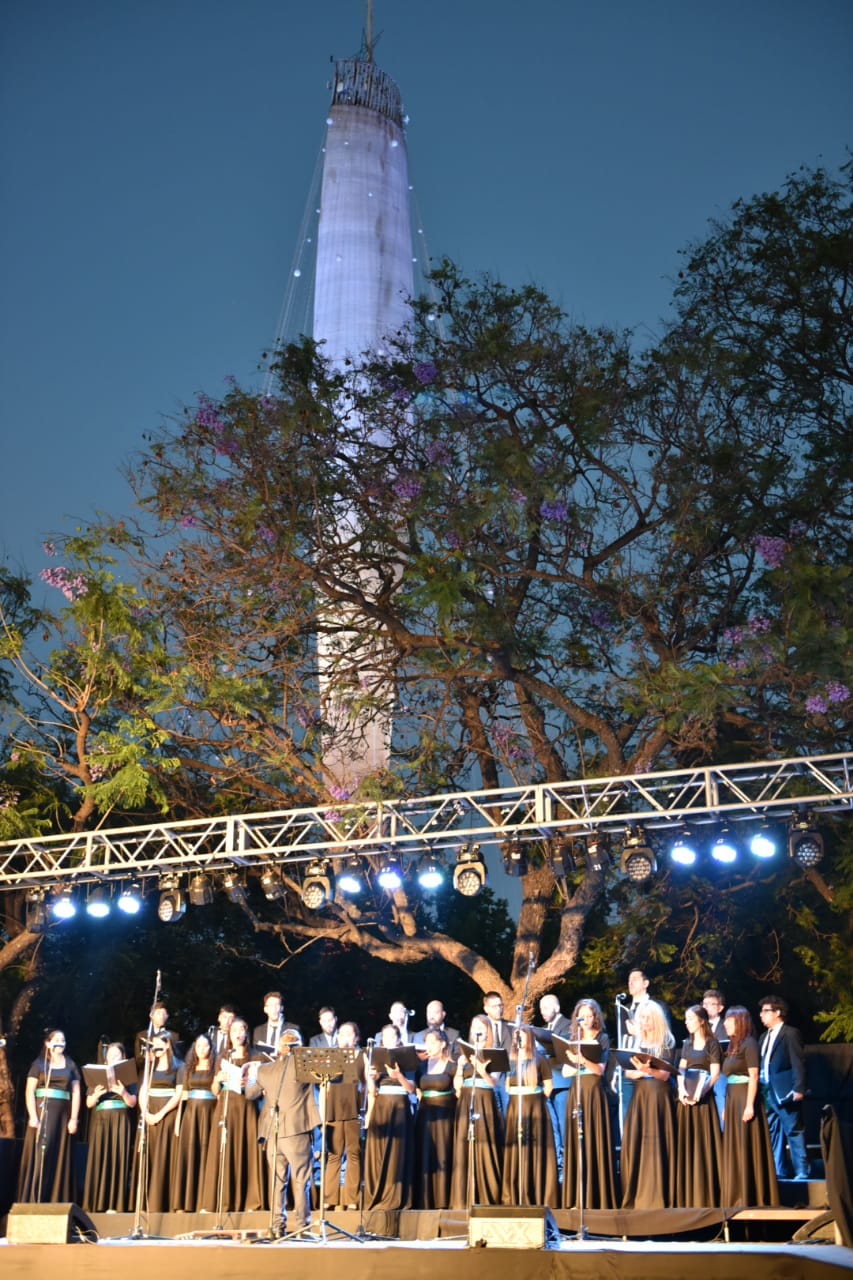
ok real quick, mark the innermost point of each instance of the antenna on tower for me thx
(368, 33)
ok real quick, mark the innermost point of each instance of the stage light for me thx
(469, 874)
(723, 849)
(64, 907)
(234, 889)
(390, 877)
(351, 878)
(172, 904)
(36, 911)
(431, 872)
(598, 851)
(317, 887)
(638, 861)
(129, 899)
(562, 859)
(98, 904)
(683, 852)
(805, 843)
(200, 890)
(514, 858)
(762, 844)
(271, 884)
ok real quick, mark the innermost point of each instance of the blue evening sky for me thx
(156, 157)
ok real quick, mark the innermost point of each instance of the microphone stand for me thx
(361, 1233)
(519, 1096)
(620, 1009)
(473, 1117)
(41, 1132)
(223, 1146)
(142, 1131)
(581, 1172)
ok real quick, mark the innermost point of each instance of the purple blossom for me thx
(556, 511)
(15, 757)
(599, 617)
(816, 705)
(733, 636)
(438, 453)
(72, 588)
(797, 529)
(48, 548)
(340, 792)
(425, 372)
(307, 716)
(401, 396)
(269, 404)
(228, 447)
(207, 414)
(454, 541)
(758, 625)
(738, 663)
(266, 535)
(408, 488)
(230, 380)
(518, 497)
(187, 522)
(837, 692)
(771, 550)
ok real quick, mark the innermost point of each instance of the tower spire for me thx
(368, 31)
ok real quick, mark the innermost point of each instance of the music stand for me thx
(320, 1066)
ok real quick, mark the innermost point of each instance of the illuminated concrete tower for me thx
(362, 291)
(363, 279)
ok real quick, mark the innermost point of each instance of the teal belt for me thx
(525, 1089)
(160, 1093)
(111, 1104)
(392, 1088)
(437, 1093)
(202, 1095)
(53, 1093)
(477, 1084)
(737, 1079)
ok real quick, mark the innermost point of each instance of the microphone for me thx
(530, 960)
(410, 1013)
(2, 1042)
(370, 1042)
(478, 1035)
(623, 995)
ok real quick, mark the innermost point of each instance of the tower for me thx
(362, 291)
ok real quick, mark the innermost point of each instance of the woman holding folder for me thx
(586, 1060)
(111, 1102)
(648, 1142)
(479, 1127)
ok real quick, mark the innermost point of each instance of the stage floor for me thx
(190, 1248)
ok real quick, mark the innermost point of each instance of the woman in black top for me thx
(748, 1176)
(53, 1109)
(697, 1152)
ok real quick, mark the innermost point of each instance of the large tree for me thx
(544, 552)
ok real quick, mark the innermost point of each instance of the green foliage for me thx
(547, 553)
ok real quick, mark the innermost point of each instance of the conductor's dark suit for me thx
(297, 1117)
(782, 1073)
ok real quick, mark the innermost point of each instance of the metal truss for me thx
(767, 790)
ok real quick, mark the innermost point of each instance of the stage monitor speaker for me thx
(512, 1227)
(49, 1224)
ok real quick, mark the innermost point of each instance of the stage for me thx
(759, 1247)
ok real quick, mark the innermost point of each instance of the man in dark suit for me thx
(160, 1035)
(435, 1021)
(782, 1076)
(559, 1025)
(269, 1032)
(328, 1037)
(287, 1121)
